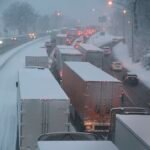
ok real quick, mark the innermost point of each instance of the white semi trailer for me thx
(67, 54)
(42, 107)
(92, 54)
(39, 59)
(132, 132)
(61, 39)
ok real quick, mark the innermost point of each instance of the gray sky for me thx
(78, 9)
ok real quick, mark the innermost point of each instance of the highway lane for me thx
(135, 95)
(9, 43)
(8, 94)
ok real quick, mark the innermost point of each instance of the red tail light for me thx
(61, 74)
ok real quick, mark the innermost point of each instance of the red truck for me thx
(93, 93)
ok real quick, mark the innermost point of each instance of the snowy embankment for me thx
(10, 63)
(121, 52)
(99, 40)
(8, 55)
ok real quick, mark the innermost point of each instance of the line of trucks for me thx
(87, 94)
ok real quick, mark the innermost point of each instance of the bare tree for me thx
(43, 23)
(20, 16)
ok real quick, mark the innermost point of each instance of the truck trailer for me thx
(67, 54)
(61, 39)
(73, 145)
(39, 59)
(91, 54)
(42, 107)
(92, 93)
(132, 132)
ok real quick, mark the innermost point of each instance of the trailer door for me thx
(58, 115)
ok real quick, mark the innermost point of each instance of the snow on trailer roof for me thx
(76, 145)
(90, 47)
(64, 46)
(89, 72)
(39, 84)
(61, 35)
(138, 124)
(70, 51)
(38, 52)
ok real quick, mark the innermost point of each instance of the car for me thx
(13, 38)
(131, 79)
(76, 45)
(116, 66)
(107, 50)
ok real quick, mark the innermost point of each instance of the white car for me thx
(116, 66)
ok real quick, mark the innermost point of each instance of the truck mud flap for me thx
(17, 139)
(77, 122)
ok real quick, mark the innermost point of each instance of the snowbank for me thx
(121, 52)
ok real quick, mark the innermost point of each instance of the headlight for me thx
(1, 42)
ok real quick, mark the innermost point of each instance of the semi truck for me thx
(130, 128)
(92, 93)
(42, 107)
(61, 39)
(80, 145)
(91, 54)
(63, 54)
(38, 59)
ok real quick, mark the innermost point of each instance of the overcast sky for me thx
(78, 9)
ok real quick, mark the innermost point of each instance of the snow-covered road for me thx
(8, 92)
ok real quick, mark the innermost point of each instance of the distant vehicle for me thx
(61, 39)
(32, 35)
(66, 54)
(69, 40)
(115, 39)
(116, 66)
(146, 61)
(77, 43)
(47, 43)
(38, 59)
(68, 136)
(91, 53)
(13, 38)
(130, 78)
(107, 50)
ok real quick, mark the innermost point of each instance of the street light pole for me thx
(134, 25)
(124, 22)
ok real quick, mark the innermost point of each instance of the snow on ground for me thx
(99, 40)
(8, 91)
(121, 53)
(6, 56)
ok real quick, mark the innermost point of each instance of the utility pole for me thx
(133, 29)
